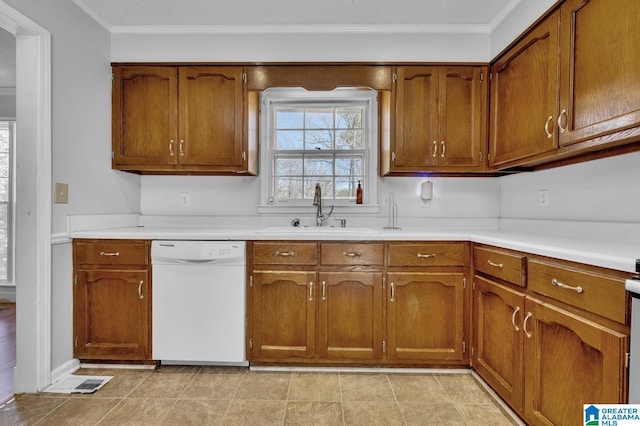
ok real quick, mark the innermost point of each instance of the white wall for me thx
(81, 113)
(454, 198)
(7, 105)
(587, 194)
(518, 20)
(314, 47)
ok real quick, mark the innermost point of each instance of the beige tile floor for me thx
(237, 396)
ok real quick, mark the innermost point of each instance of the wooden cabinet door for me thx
(350, 315)
(284, 314)
(212, 117)
(524, 96)
(498, 312)
(112, 314)
(416, 119)
(144, 116)
(600, 62)
(569, 361)
(462, 128)
(425, 316)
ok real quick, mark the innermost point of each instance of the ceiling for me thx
(120, 15)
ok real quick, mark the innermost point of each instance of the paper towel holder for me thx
(426, 190)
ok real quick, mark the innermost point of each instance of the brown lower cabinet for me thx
(112, 300)
(356, 303)
(546, 357)
(425, 316)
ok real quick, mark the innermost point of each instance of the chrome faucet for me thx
(317, 201)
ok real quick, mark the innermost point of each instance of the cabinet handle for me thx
(285, 253)
(181, 147)
(524, 324)
(513, 318)
(444, 148)
(140, 295)
(109, 253)
(426, 256)
(497, 265)
(560, 126)
(171, 142)
(557, 283)
(435, 149)
(75, 342)
(310, 291)
(546, 127)
(324, 290)
(393, 292)
(352, 253)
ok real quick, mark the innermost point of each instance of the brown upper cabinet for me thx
(569, 86)
(524, 87)
(438, 120)
(599, 78)
(181, 119)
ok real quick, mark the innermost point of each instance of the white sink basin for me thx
(318, 230)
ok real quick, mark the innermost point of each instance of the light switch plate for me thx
(61, 193)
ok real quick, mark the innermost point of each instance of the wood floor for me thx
(7, 349)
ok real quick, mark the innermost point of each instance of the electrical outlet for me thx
(543, 197)
(185, 199)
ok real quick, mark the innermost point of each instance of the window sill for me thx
(364, 209)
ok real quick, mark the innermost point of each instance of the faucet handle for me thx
(343, 222)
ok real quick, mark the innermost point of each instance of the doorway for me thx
(33, 212)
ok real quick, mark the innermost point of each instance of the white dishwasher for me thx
(198, 302)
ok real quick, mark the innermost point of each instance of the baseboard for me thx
(66, 368)
(8, 294)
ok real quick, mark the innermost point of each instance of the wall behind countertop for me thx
(459, 198)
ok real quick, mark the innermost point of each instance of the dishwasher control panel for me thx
(223, 252)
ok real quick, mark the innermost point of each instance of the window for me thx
(7, 140)
(326, 138)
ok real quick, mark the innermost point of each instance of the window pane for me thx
(348, 118)
(349, 166)
(346, 187)
(289, 119)
(4, 164)
(289, 188)
(326, 186)
(4, 139)
(349, 139)
(319, 139)
(319, 118)
(289, 139)
(322, 166)
(3, 216)
(289, 166)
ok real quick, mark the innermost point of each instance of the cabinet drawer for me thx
(427, 254)
(351, 254)
(507, 266)
(111, 252)
(600, 294)
(285, 253)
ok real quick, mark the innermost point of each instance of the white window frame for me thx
(274, 97)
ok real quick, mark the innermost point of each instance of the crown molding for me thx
(302, 29)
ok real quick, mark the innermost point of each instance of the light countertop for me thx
(608, 254)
